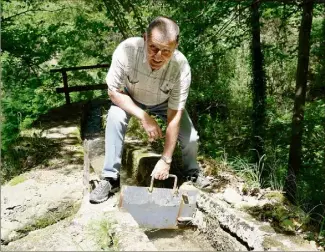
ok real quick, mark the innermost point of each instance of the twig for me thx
(32, 10)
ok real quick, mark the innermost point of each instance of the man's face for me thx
(159, 50)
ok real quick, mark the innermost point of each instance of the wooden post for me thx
(65, 84)
(86, 177)
(66, 90)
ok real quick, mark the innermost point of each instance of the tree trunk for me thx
(295, 153)
(320, 83)
(258, 85)
(115, 11)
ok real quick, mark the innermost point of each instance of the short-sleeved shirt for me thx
(130, 69)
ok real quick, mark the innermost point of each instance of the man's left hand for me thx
(161, 170)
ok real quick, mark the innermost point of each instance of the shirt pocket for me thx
(166, 87)
(131, 81)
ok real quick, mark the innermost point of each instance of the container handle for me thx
(169, 176)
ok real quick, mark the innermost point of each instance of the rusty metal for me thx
(161, 208)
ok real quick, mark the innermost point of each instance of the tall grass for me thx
(251, 172)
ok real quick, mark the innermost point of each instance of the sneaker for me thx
(198, 179)
(102, 192)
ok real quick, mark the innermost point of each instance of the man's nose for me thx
(158, 55)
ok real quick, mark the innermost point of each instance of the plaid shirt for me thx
(130, 69)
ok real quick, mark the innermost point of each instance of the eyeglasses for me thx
(164, 52)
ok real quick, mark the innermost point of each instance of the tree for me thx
(258, 83)
(117, 10)
(295, 152)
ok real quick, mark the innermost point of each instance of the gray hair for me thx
(166, 26)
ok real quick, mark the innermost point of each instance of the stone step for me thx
(225, 227)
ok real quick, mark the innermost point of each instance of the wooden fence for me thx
(66, 89)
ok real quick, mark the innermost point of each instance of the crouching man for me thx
(149, 74)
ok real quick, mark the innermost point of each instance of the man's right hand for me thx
(148, 123)
(151, 127)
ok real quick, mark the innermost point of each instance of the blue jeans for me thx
(117, 122)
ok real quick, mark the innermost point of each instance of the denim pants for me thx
(116, 125)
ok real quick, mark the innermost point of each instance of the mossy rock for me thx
(17, 180)
(270, 242)
(51, 218)
(277, 196)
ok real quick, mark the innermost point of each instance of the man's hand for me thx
(151, 127)
(161, 170)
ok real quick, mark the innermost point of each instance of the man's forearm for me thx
(126, 103)
(172, 131)
(171, 140)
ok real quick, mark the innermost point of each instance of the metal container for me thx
(159, 208)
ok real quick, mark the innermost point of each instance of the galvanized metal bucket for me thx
(160, 208)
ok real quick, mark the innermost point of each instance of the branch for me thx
(32, 10)
(232, 19)
(17, 14)
(136, 14)
(296, 2)
(119, 21)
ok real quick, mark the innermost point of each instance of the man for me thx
(148, 74)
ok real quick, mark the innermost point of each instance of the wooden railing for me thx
(66, 89)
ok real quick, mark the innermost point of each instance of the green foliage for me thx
(103, 235)
(51, 218)
(135, 129)
(26, 152)
(46, 34)
(312, 193)
(252, 173)
(283, 217)
(215, 37)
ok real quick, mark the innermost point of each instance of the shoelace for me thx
(100, 187)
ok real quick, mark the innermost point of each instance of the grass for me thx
(76, 133)
(284, 218)
(316, 231)
(252, 173)
(136, 130)
(51, 218)
(287, 218)
(17, 180)
(101, 231)
(277, 196)
(321, 235)
(32, 149)
(28, 151)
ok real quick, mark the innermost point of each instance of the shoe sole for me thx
(97, 202)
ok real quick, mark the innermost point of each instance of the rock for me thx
(13, 236)
(216, 236)
(247, 202)
(33, 203)
(232, 196)
(257, 235)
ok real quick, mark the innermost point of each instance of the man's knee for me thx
(188, 134)
(189, 139)
(116, 115)
(194, 137)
